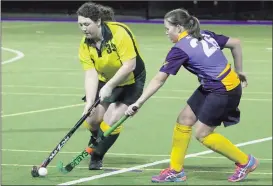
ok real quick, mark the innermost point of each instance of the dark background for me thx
(223, 10)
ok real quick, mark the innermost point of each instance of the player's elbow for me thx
(233, 43)
(91, 74)
(161, 77)
(130, 65)
(237, 42)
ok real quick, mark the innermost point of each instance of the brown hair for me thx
(96, 11)
(183, 18)
(107, 13)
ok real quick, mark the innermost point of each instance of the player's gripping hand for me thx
(87, 106)
(130, 111)
(243, 79)
(105, 92)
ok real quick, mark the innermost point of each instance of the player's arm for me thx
(174, 60)
(127, 54)
(123, 73)
(91, 85)
(234, 45)
(91, 75)
(154, 85)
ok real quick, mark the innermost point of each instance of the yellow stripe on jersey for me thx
(224, 71)
(231, 80)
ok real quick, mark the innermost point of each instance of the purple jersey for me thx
(203, 58)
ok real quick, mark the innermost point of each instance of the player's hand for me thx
(87, 106)
(130, 111)
(243, 79)
(105, 92)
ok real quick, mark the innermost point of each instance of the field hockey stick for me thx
(89, 150)
(34, 170)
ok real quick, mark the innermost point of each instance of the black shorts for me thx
(127, 94)
(212, 108)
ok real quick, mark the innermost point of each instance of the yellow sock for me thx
(222, 145)
(87, 126)
(181, 139)
(104, 127)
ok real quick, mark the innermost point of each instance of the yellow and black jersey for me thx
(119, 45)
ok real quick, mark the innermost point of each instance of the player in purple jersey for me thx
(214, 102)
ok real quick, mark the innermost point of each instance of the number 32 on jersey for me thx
(209, 44)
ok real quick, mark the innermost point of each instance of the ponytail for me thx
(182, 17)
(194, 28)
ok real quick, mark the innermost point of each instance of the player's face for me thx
(171, 31)
(89, 27)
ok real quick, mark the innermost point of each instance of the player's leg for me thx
(181, 138)
(114, 112)
(121, 98)
(216, 109)
(92, 123)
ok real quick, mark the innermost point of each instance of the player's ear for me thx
(99, 22)
(180, 28)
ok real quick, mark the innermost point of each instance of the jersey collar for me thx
(182, 35)
(106, 34)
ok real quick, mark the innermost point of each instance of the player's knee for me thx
(92, 126)
(202, 131)
(187, 117)
(111, 119)
(200, 135)
(92, 123)
(114, 113)
(186, 120)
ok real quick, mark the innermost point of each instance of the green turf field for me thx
(42, 85)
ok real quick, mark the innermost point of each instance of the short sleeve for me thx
(84, 56)
(125, 44)
(174, 60)
(220, 39)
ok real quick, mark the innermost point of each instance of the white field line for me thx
(119, 154)
(42, 110)
(103, 175)
(154, 97)
(119, 168)
(18, 56)
(78, 88)
(221, 157)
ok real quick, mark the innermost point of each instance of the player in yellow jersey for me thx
(114, 72)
